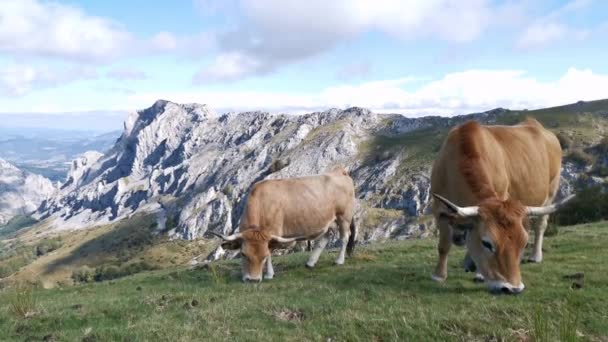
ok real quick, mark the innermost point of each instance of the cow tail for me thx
(352, 239)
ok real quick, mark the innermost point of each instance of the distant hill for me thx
(49, 152)
(21, 192)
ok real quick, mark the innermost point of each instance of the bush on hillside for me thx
(564, 140)
(47, 246)
(86, 274)
(580, 157)
(15, 224)
(83, 274)
(278, 164)
(589, 205)
(603, 146)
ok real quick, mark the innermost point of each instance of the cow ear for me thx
(232, 245)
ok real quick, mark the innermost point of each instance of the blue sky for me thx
(418, 57)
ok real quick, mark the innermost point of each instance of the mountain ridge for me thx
(192, 168)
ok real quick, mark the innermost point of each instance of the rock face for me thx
(21, 192)
(193, 168)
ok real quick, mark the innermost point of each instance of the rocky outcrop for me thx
(192, 168)
(21, 192)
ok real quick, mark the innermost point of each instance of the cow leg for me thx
(444, 246)
(269, 268)
(344, 228)
(319, 247)
(540, 225)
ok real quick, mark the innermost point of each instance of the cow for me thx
(279, 212)
(486, 181)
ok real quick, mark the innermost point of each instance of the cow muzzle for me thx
(248, 279)
(498, 287)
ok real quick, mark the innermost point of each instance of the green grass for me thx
(16, 224)
(384, 293)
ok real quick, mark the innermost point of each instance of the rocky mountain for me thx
(21, 192)
(192, 168)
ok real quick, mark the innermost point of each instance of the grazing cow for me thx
(282, 211)
(485, 181)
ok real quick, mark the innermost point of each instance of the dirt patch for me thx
(288, 315)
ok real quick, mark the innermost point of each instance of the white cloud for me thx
(455, 93)
(274, 34)
(354, 70)
(551, 28)
(19, 79)
(52, 29)
(163, 41)
(124, 74)
(228, 67)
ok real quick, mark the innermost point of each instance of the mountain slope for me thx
(21, 192)
(192, 168)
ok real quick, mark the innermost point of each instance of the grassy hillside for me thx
(122, 247)
(383, 294)
(584, 124)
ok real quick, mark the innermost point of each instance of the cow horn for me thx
(285, 240)
(460, 211)
(227, 238)
(549, 209)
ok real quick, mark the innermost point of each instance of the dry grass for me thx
(23, 303)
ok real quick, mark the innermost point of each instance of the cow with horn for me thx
(280, 212)
(486, 181)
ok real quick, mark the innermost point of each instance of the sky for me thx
(84, 64)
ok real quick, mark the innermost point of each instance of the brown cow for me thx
(486, 180)
(282, 211)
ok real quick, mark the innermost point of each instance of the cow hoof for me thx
(309, 266)
(338, 263)
(268, 276)
(478, 278)
(534, 260)
(437, 278)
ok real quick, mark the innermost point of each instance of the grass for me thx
(374, 217)
(22, 303)
(15, 224)
(124, 247)
(383, 294)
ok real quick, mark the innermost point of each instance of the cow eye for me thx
(488, 245)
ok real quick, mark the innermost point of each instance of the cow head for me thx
(255, 245)
(497, 237)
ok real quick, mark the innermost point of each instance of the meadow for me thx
(383, 293)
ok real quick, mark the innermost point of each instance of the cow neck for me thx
(470, 164)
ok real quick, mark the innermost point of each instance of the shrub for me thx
(277, 165)
(48, 246)
(603, 146)
(23, 303)
(227, 190)
(83, 274)
(171, 222)
(564, 140)
(113, 272)
(15, 224)
(589, 205)
(580, 157)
